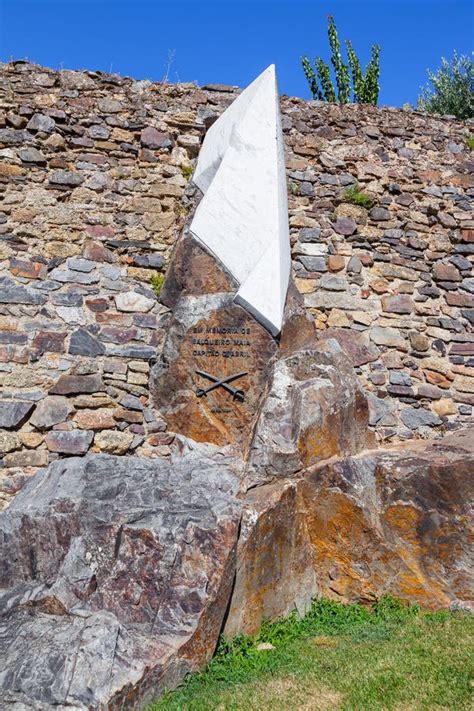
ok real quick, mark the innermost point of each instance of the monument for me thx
(237, 326)
(229, 276)
(119, 573)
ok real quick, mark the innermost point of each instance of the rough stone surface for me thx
(315, 409)
(391, 521)
(14, 412)
(115, 584)
(74, 442)
(124, 196)
(50, 411)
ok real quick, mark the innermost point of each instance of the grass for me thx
(470, 142)
(346, 657)
(156, 282)
(357, 197)
(294, 188)
(187, 171)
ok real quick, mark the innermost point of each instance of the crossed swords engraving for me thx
(221, 383)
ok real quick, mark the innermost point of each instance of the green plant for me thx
(357, 197)
(187, 171)
(452, 88)
(157, 281)
(470, 142)
(365, 86)
(389, 656)
(293, 187)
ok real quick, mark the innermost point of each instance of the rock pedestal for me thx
(210, 336)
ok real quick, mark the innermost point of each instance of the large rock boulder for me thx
(116, 575)
(396, 521)
(315, 409)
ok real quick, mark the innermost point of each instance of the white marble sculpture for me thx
(243, 215)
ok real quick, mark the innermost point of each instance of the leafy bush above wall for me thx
(452, 88)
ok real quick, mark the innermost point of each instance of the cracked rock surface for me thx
(116, 574)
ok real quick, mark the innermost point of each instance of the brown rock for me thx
(444, 406)
(380, 286)
(446, 272)
(30, 439)
(27, 269)
(213, 336)
(418, 341)
(389, 521)
(397, 304)
(48, 342)
(97, 252)
(77, 384)
(335, 262)
(273, 532)
(123, 415)
(27, 458)
(437, 379)
(100, 419)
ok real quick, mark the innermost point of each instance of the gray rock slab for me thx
(77, 384)
(116, 573)
(344, 301)
(75, 442)
(415, 418)
(14, 413)
(84, 344)
(50, 411)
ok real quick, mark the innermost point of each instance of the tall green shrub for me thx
(365, 86)
(452, 88)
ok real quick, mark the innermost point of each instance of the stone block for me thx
(132, 301)
(50, 411)
(14, 413)
(113, 442)
(99, 419)
(77, 384)
(74, 442)
(85, 344)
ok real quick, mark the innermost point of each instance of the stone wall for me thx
(93, 177)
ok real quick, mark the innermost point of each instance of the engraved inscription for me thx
(231, 341)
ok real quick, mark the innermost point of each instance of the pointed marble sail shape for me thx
(243, 215)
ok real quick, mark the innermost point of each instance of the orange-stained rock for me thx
(315, 409)
(274, 559)
(395, 521)
(209, 333)
(213, 335)
(389, 521)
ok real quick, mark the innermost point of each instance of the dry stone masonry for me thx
(94, 171)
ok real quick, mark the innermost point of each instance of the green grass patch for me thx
(187, 171)
(470, 142)
(347, 657)
(358, 197)
(294, 188)
(157, 281)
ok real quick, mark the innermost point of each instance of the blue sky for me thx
(231, 41)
